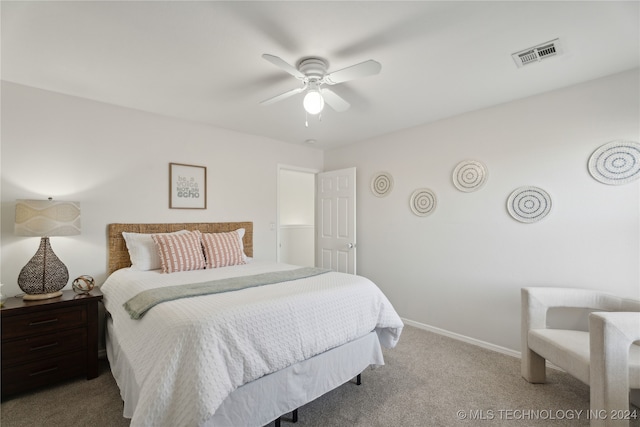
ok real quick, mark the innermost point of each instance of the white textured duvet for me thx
(188, 355)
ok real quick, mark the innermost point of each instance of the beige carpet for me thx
(428, 380)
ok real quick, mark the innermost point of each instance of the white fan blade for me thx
(334, 100)
(363, 69)
(280, 63)
(282, 96)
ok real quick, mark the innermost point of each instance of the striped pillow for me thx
(180, 252)
(223, 249)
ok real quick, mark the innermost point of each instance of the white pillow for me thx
(240, 232)
(143, 251)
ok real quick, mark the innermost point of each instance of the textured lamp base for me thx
(31, 297)
(44, 276)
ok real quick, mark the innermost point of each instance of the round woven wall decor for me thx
(616, 162)
(469, 175)
(423, 201)
(381, 184)
(529, 204)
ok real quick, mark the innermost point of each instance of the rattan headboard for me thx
(119, 255)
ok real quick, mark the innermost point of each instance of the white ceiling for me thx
(201, 61)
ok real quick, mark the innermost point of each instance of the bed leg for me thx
(359, 379)
(294, 418)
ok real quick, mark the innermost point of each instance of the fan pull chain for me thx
(306, 119)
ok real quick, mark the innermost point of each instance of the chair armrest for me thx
(537, 300)
(622, 326)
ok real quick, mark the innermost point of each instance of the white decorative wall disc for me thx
(616, 162)
(469, 175)
(529, 204)
(423, 201)
(381, 184)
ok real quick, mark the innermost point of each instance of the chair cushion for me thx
(569, 350)
(566, 349)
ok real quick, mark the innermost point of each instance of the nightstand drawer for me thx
(43, 346)
(42, 372)
(46, 321)
(49, 340)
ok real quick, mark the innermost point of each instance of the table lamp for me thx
(45, 275)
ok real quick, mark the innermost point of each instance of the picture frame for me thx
(187, 186)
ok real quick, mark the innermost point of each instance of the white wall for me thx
(115, 162)
(297, 197)
(462, 267)
(297, 245)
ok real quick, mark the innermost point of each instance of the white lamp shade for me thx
(47, 218)
(313, 102)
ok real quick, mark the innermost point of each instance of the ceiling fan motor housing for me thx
(314, 68)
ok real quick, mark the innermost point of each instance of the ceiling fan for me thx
(312, 71)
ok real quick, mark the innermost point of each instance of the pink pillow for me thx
(223, 249)
(180, 252)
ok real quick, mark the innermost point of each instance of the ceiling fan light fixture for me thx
(313, 101)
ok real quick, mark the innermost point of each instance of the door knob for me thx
(351, 245)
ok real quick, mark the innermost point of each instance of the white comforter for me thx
(188, 355)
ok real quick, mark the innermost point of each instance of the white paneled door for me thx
(336, 220)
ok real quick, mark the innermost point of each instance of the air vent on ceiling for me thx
(537, 53)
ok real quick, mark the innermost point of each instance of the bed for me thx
(243, 357)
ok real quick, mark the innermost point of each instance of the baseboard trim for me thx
(470, 340)
(463, 338)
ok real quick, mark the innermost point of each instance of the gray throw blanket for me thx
(145, 300)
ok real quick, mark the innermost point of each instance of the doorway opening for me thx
(295, 239)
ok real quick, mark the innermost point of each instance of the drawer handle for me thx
(42, 347)
(44, 371)
(43, 322)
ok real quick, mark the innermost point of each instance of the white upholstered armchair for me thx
(605, 357)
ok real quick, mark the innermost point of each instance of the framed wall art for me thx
(187, 186)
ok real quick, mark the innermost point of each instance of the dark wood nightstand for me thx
(49, 340)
